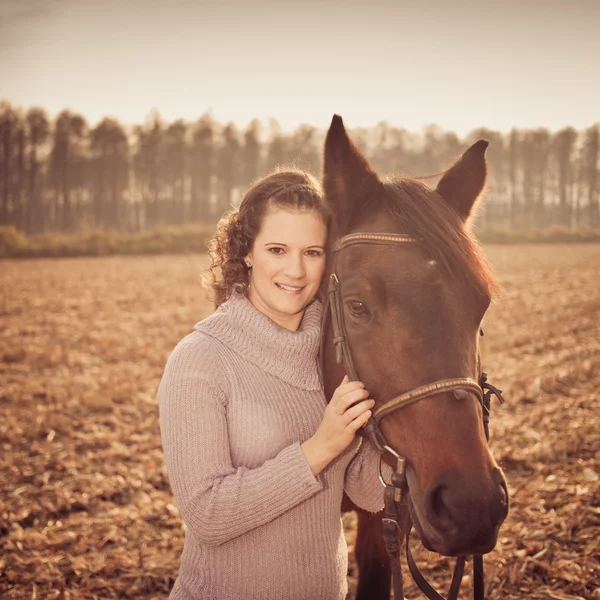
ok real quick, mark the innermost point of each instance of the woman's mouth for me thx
(290, 289)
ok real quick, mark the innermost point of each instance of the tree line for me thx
(63, 174)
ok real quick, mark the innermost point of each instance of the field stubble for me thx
(86, 510)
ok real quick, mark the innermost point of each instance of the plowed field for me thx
(85, 506)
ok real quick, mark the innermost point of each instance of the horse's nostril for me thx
(439, 513)
(449, 508)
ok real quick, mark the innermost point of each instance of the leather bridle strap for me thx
(340, 337)
(478, 579)
(392, 536)
(439, 387)
(373, 239)
(425, 587)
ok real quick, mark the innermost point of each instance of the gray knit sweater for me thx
(238, 396)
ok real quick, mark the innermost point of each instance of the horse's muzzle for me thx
(458, 519)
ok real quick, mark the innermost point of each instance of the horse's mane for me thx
(421, 212)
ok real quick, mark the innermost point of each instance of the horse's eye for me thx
(357, 308)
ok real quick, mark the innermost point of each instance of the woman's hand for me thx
(347, 411)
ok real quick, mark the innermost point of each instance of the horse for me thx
(412, 289)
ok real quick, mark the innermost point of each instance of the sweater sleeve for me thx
(362, 483)
(217, 501)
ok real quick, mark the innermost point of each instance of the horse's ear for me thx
(349, 182)
(464, 181)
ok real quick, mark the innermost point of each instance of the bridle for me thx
(396, 522)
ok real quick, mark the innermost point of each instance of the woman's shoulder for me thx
(196, 348)
(199, 355)
(194, 371)
(205, 349)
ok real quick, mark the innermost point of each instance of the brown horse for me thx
(412, 315)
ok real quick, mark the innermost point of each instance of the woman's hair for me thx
(237, 229)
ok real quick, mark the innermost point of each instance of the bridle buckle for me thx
(399, 474)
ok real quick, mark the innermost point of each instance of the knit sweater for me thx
(238, 397)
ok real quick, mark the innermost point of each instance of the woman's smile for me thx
(290, 289)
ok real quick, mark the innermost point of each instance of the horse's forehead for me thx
(391, 260)
(378, 220)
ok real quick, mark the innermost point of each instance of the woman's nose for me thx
(295, 268)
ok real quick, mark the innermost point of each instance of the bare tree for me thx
(381, 154)
(66, 163)
(399, 141)
(109, 168)
(251, 154)
(277, 147)
(591, 156)
(496, 209)
(562, 149)
(148, 170)
(11, 165)
(202, 169)
(539, 151)
(228, 167)
(513, 175)
(38, 130)
(304, 148)
(175, 171)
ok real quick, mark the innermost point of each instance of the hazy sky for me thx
(465, 64)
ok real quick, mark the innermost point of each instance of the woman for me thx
(257, 458)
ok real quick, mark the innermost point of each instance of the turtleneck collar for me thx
(289, 355)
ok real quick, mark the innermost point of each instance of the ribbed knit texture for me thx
(238, 397)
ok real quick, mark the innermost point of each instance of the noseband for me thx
(397, 519)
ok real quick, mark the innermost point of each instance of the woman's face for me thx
(288, 260)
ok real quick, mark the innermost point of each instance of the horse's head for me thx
(412, 314)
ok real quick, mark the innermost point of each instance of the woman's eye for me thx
(357, 308)
(314, 252)
(276, 250)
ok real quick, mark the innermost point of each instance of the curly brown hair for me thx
(237, 229)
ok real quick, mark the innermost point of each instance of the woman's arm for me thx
(217, 501)
(362, 478)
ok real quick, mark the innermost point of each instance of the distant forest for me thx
(63, 175)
